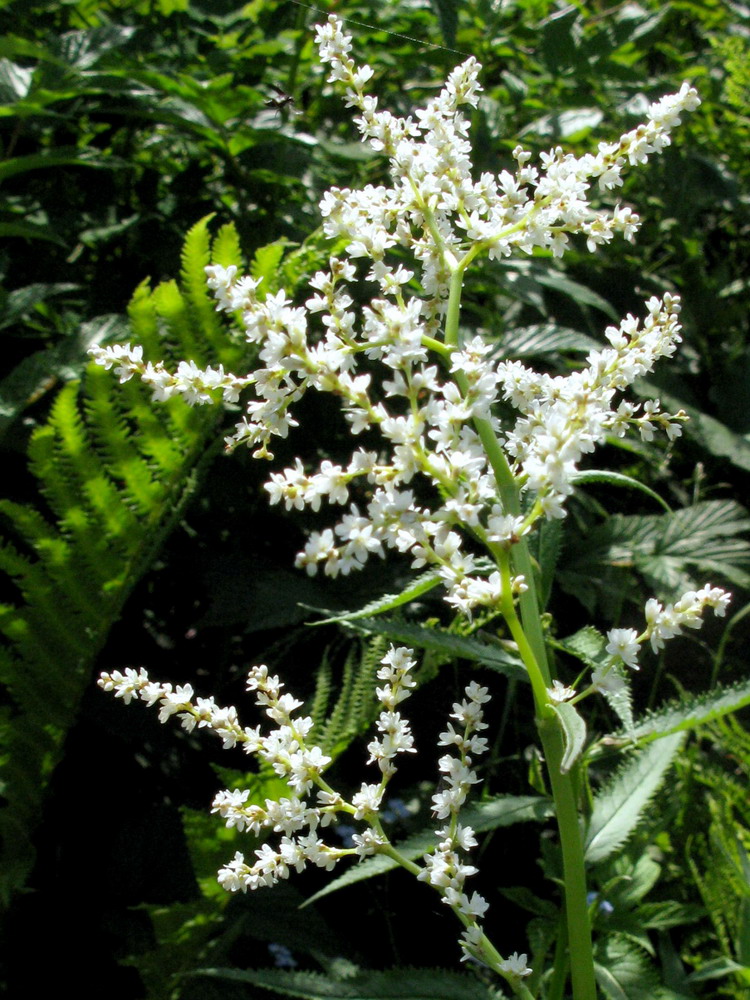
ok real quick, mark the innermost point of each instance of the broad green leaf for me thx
(29, 231)
(505, 810)
(572, 125)
(667, 549)
(21, 300)
(560, 282)
(717, 969)
(619, 805)
(38, 373)
(15, 81)
(574, 734)
(53, 158)
(83, 49)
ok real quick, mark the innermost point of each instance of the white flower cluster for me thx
(661, 623)
(285, 749)
(566, 417)
(429, 422)
(299, 818)
(444, 868)
(194, 384)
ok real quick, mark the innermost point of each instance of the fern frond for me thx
(115, 473)
(355, 706)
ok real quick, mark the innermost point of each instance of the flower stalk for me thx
(484, 486)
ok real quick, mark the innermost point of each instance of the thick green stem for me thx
(529, 637)
(574, 873)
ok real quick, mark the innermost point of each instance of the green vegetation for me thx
(139, 140)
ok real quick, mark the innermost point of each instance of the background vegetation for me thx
(130, 539)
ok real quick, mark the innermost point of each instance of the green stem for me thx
(529, 637)
(580, 950)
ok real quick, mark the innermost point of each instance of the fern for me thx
(336, 726)
(114, 475)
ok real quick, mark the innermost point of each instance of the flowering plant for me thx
(451, 485)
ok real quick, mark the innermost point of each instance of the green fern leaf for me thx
(115, 472)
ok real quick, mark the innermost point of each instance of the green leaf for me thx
(689, 713)
(51, 158)
(42, 371)
(542, 339)
(574, 734)
(618, 479)
(560, 282)
(717, 969)
(83, 49)
(619, 805)
(15, 81)
(22, 300)
(439, 640)
(422, 585)
(391, 984)
(624, 972)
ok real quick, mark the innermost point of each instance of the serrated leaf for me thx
(666, 549)
(689, 713)
(574, 734)
(392, 984)
(423, 584)
(623, 971)
(561, 282)
(505, 810)
(440, 641)
(618, 806)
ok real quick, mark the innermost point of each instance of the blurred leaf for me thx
(41, 372)
(21, 300)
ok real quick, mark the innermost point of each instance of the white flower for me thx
(623, 643)
(559, 693)
(516, 965)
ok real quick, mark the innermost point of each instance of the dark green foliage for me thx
(114, 473)
(145, 116)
